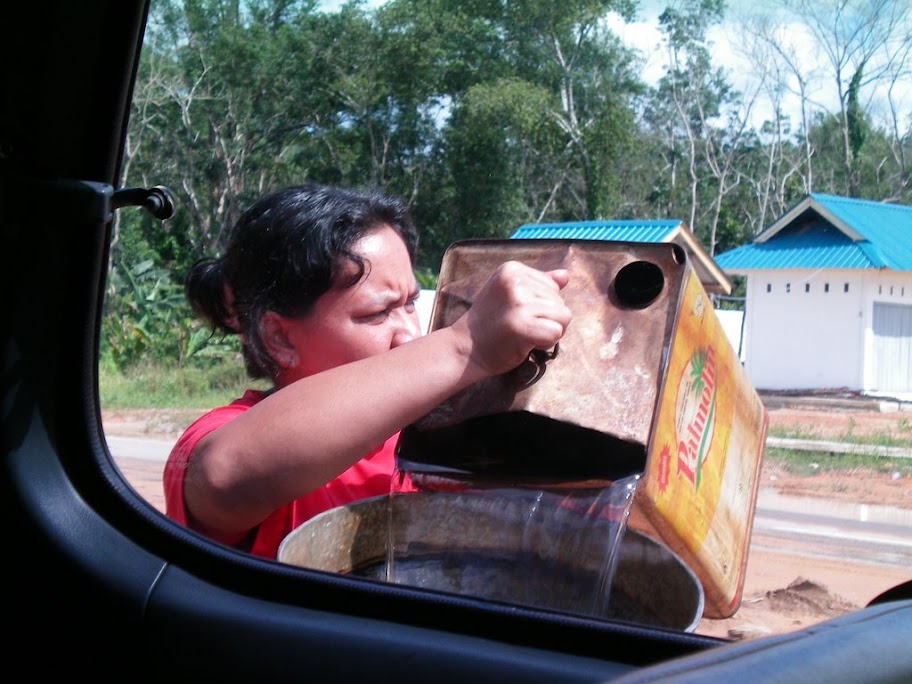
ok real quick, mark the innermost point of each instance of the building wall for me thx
(425, 306)
(732, 323)
(805, 329)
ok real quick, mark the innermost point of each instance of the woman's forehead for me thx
(387, 264)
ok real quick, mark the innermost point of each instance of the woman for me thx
(319, 285)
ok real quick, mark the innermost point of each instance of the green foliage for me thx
(854, 115)
(146, 319)
(163, 385)
(497, 133)
(426, 279)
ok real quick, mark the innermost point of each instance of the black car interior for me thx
(100, 584)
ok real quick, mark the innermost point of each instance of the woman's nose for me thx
(408, 327)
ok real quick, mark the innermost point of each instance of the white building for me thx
(829, 298)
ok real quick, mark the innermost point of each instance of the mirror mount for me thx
(158, 201)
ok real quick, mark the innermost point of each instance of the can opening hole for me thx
(678, 254)
(638, 284)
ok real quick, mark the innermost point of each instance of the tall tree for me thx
(856, 48)
(566, 48)
(533, 104)
(700, 116)
(861, 40)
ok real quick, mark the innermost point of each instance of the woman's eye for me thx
(409, 307)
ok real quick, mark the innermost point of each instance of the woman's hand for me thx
(519, 309)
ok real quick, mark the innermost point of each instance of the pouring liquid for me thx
(536, 509)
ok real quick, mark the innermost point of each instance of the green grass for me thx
(158, 386)
(806, 463)
(899, 436)
(817, 462)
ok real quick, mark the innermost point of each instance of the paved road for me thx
(817, 528)
(139, 447)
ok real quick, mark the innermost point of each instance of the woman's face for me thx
(375, 315)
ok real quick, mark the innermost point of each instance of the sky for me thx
(644, 35)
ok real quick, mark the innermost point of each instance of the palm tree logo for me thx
(696, 410)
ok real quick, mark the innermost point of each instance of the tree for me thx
(858, 47)
(534, 110)
(565, 48)
(688, 105)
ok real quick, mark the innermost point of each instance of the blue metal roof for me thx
(634, 230)
(618, 231)
(826, 231)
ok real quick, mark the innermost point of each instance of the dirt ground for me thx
(785, 593)
(887, 488)
(782, 593)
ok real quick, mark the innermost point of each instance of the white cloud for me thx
(644, 36)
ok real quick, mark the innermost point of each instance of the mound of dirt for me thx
(806, 598)
(800, 604)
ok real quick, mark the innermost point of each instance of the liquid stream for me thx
(548, 545)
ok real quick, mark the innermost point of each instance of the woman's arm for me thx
(310, 431)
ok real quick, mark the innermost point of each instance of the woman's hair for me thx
(284, 252)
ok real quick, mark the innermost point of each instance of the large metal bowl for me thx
(469, 544)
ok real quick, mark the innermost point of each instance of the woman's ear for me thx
(276, 340)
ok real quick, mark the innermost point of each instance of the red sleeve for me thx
(175, 467)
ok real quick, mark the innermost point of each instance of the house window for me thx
(769, 288)
(807, 287)
(826, 287)
(788, 287)
(845, 287)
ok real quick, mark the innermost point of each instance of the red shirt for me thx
(371, 476)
